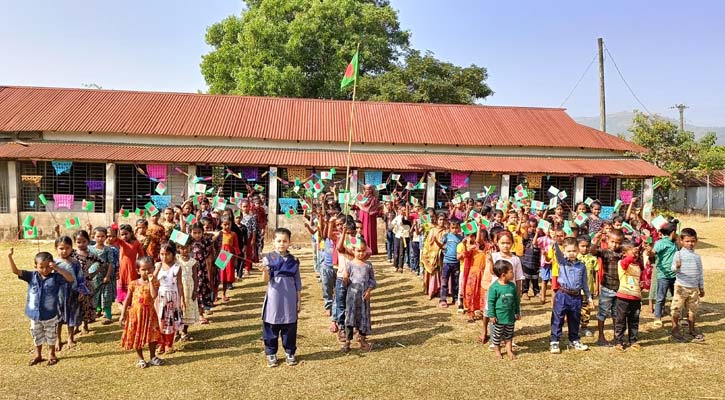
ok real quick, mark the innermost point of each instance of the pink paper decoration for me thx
(626, 196)
(458, 179)
(63, 201)
(156, 171)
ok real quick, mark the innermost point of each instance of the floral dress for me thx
(103, 293)
(168, 302)
(86, 303)
(141, 326)
(155, 234)
(191, 312)
(200, 250)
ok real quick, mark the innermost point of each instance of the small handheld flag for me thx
(179, 237)
(544, 225)
(580, 219)
(43, 199)
(562, 195)
(191, 219)
(161, 188)
(200, 188)
(553, 190)
(223, 259)
(290, 212)
(88, 205)
(140, 212)
(29, 221)
(124, 213)
(588, 201)
(469, 227)
(30, 232)
(381, 186)
(72, 223)
(659, 222)
(151, 208)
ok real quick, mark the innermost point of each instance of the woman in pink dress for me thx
(368, 213)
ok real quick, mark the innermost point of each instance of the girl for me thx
(464, 253)
(242, 235)
(69, 307)
(249, 219)
(129, 251)
(140, 233)
(432, 258)
(169, 223)
(472, 300)
(544, 242)
(104, 292)
(228, 241)
(359, 278)
(169, 303)
(531, 259)
(504, 241)
(190, 283)
(141, 324)
(202, 250)
(88, 262)
(155, 234)
(595, 223)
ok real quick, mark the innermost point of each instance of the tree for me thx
(676, 152)
(299, 48)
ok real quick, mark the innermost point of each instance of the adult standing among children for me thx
(368, 212)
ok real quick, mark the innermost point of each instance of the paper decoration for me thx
(95, 186)
(458, 179)
(29, 221)
(659, 221)
(286, 203)
(553, 190)
(223, 259)
(151, 208)
(626, 196)
(562, 195)
(580, 219)
(411, 177)
(63, 201)
(533, 181)
(179, 237)
(61, 166)
(160, 188)
(250, 173)
(588, 201)
(88, 205)
(296, 173)
(544, 225)
(618, 205)
(31, 179)
(42, 199)
(157, 171)
(161, 202)
(373, 177)
(381, 186)
(30, 232)
(538, 205)
(395, 177)
(326, 175)
(72, 223)
(553, 203)
(606, 212)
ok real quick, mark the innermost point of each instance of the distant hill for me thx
(618, 123)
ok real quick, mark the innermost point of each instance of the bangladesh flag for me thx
(425, 219)
(140, 212)
(151, 208)
(72, 223)
(350, 72)
(381, 186)
(200, 188)
(223, 259)
(258, 188)
(486, 223)
(29, 221)
(580, 219)
(191, 219)
(124, 213)
(617, 205)
(179, 237)
(291, 212)
(544, 225)
(88, 205)
(469, 227)
(30, 232)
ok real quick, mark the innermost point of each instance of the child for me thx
(592, 264)
(104, 288)
(202, 250)
(572, 279)
(282, 300)
(504, 240)
(69, 307)
(190, 282)
(88, 262)
(595, 223)
(629, 298)
(464, 252)
(689, 285)
(608, 281)
(229, 242)
(345, 255)
(141, 324)
(169, 303)
(665, 249)
(503, 307)
(155, 234)
(359, 278)
(531, 261)
(545, 243)
(41, 305)
(451, 264)
(130, 250)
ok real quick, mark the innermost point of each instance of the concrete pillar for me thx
(110, 192)
(430, 191)
(505, 186)
(647, 196)
(353, 183)
(13, 189)
(190, 189)
(579, 189)
(272, 200)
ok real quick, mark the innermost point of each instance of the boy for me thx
(504, 308)
(665, 250)
(41, 304)
(592, 265)
(451, 264)
(689, 285)
(609, 280)
(571, 281)
(282, 301)
(629, 298)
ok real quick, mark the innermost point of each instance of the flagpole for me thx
(352, 127)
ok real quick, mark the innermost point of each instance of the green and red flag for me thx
(151, 208)
(124, 213)
(223, 259)
(30, 232)
(290, 212)
(350, 72)
(580, 219)
(425, 219)
(72, 223)
(469, 227)
(29, 221)
(88, 205)
(140, 212)
(179, 237)
(191, 219)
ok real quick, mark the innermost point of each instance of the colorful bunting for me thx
(61, 166)
(158, 171)
(95, 186)
(63, 201)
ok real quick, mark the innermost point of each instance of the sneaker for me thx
(619, 348)
(580, 346)
(588, 333)
(272, 361)
(291, 360)
(554, 348)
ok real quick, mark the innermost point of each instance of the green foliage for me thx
(300, 48)
(713, 159)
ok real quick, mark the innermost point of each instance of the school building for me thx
(113, 147)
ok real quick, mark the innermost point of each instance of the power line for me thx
(625, 81)
(579, 81)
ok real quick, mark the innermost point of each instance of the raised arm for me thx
(11, 262)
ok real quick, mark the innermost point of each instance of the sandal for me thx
(346, 347)
(52, 361)
(161, 351)
(35, 361)
(657, 324)
(203, 321)
(141, 364)
(156, 361)
(698, 338)
(107, 322)
(603, 343)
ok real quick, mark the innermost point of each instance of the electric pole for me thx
(602, 105)
(681, 108)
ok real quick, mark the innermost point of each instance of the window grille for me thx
(4, 192)
(72, 182)
(134, 190)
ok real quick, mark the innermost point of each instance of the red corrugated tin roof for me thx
(182, 114)
(395, 162)
(717, 178)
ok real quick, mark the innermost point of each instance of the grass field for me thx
(420, 351)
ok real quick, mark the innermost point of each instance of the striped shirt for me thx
(689, 274)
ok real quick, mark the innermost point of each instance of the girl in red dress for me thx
(228, 243)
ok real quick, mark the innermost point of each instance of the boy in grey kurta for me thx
(282, 300)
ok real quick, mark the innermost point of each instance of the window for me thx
(602, 188)
(442, 178)
(232, 183)
(563, 183)
(134, 190)
(73, 182)
(4, 193)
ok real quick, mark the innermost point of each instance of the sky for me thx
(668, 51)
